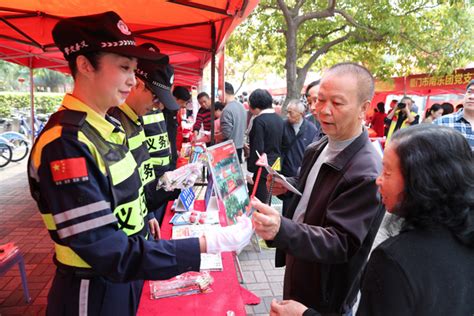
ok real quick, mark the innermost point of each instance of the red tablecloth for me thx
(227, 293)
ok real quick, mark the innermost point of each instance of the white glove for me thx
(249, 178)
(229, 238)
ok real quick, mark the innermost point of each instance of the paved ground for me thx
(22, 224)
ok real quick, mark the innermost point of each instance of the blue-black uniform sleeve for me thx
(77, 194)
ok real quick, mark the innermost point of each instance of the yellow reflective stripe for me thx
(123, 169)
(130, 215)
(129, 112)
(157, 142)
(97, 157)
(68, 257)
(49, 221)
(137, 140)
(104, 127)
(147, 174)
(46, 138)
(153, 118)
(160, 161)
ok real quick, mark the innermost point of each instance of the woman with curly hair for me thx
(428, 268)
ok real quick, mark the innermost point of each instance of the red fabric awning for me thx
(188, 31)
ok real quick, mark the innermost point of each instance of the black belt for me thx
(78, 273)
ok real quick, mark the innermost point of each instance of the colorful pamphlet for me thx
(228, 178)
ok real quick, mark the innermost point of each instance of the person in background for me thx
(174, 120)
(218, 108)
(434, 112)
(392, 107)
(182, 96)
(448, 108)
(298, 133)
(378, 120)
(401, 117)
(311, 99)
(87, 184)
(203, 118)
(459, 106)
(328, 232)
(463, 120)
(264, 137)
(233, 120)
(189, 109)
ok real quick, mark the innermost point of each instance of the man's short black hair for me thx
(312, 84)
(202, 94)
(181, 93)
(218, 106)
(228, 88)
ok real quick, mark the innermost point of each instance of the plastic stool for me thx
(10, 262)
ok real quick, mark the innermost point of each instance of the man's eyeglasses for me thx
(155, 97)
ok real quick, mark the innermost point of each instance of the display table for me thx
(227, 293)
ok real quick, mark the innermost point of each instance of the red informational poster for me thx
(228, 178)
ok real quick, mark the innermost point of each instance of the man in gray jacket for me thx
(233, 120)
(327, 232)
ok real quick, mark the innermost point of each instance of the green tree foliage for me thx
(44, 79)
(9, 74)
(10, 103)
(390, 37)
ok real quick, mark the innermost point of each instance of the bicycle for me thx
(20, 146)
(25, 128)
(5, 152)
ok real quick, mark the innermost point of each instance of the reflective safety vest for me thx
(392, 130)
(154, 125)
(137, 143)
(128, 196)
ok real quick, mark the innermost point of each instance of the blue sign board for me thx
(187, 197)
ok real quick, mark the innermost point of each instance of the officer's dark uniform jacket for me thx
(92, 202)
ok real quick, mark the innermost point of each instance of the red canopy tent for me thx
(190, 32)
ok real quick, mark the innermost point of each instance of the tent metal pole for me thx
(220, 78)
(213, 79)
(32, 103)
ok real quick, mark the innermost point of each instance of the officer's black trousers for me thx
(73, 295)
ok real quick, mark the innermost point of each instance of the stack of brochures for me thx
(209, 262)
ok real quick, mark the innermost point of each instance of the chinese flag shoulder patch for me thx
(70, 170)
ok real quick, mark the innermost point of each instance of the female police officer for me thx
(88, 188)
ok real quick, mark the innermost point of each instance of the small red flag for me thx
(69, 170)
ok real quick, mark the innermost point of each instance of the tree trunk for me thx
(292, 89)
